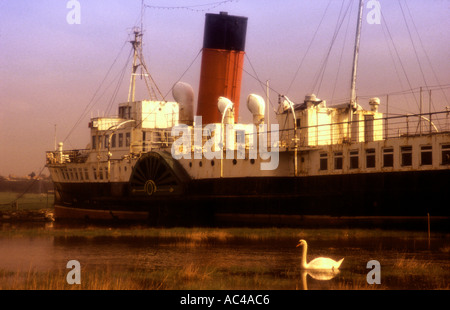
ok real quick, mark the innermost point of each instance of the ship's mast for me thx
(136, 44)
(355, 64)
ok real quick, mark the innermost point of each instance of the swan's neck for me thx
(303, 262)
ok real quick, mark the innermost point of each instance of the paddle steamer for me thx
(157, 161)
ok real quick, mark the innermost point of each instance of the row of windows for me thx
(115, 142)
(426, 157)
(75, 174)
(81, 174)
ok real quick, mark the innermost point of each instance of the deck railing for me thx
(69, 156)
(325, 134)
(367, 130)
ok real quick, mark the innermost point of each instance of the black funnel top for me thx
(223, 31)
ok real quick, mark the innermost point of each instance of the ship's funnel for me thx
(222, 64)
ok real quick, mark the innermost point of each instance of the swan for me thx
(320, 263)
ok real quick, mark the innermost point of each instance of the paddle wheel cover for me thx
(158, 174)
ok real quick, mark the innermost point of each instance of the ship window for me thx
(323, 161)
(406, 152)
(106, 141)
(86, 174)
(70, 174)
(100, 173)
(95, 173)
(120, 139)
(80, 173)
(298, 122)
(127, 139)
(125, 112)
(338, 160)
(445, 154)
(113, 140)
(426, 155)
(94, 142)
(368, 128)
(354, 160)
(370, 158)
(388, 158)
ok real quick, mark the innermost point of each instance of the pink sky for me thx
(50, 70)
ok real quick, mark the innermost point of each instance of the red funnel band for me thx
(221, 75)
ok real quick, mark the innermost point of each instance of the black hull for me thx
(368, 195)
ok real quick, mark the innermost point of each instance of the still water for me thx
(224, 258)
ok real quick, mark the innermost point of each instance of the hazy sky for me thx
(50, 69)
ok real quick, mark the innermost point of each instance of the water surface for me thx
(224, 259)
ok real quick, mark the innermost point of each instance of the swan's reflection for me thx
(322, 275)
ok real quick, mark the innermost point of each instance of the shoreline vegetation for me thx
(25, 201)
(26, 207)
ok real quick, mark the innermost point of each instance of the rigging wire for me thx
(341, 56)
(193, 8)
(27, 189)
(179, 79)
(393, 61)
(409, 91)
(119, 83)
(413, 45)
(141, 59)
(339, 23)
(423, 48)
(261, 83)
(399, 58)
(91, 102)
(307, 50)
(185, 71)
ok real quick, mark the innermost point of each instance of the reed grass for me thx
(210, 277)
(197, 235)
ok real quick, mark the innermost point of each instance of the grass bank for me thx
(28, 201)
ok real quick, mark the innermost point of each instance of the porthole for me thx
(252, 161)
(234, 161)
(190, 165)
(200, 163)
(212, 162)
